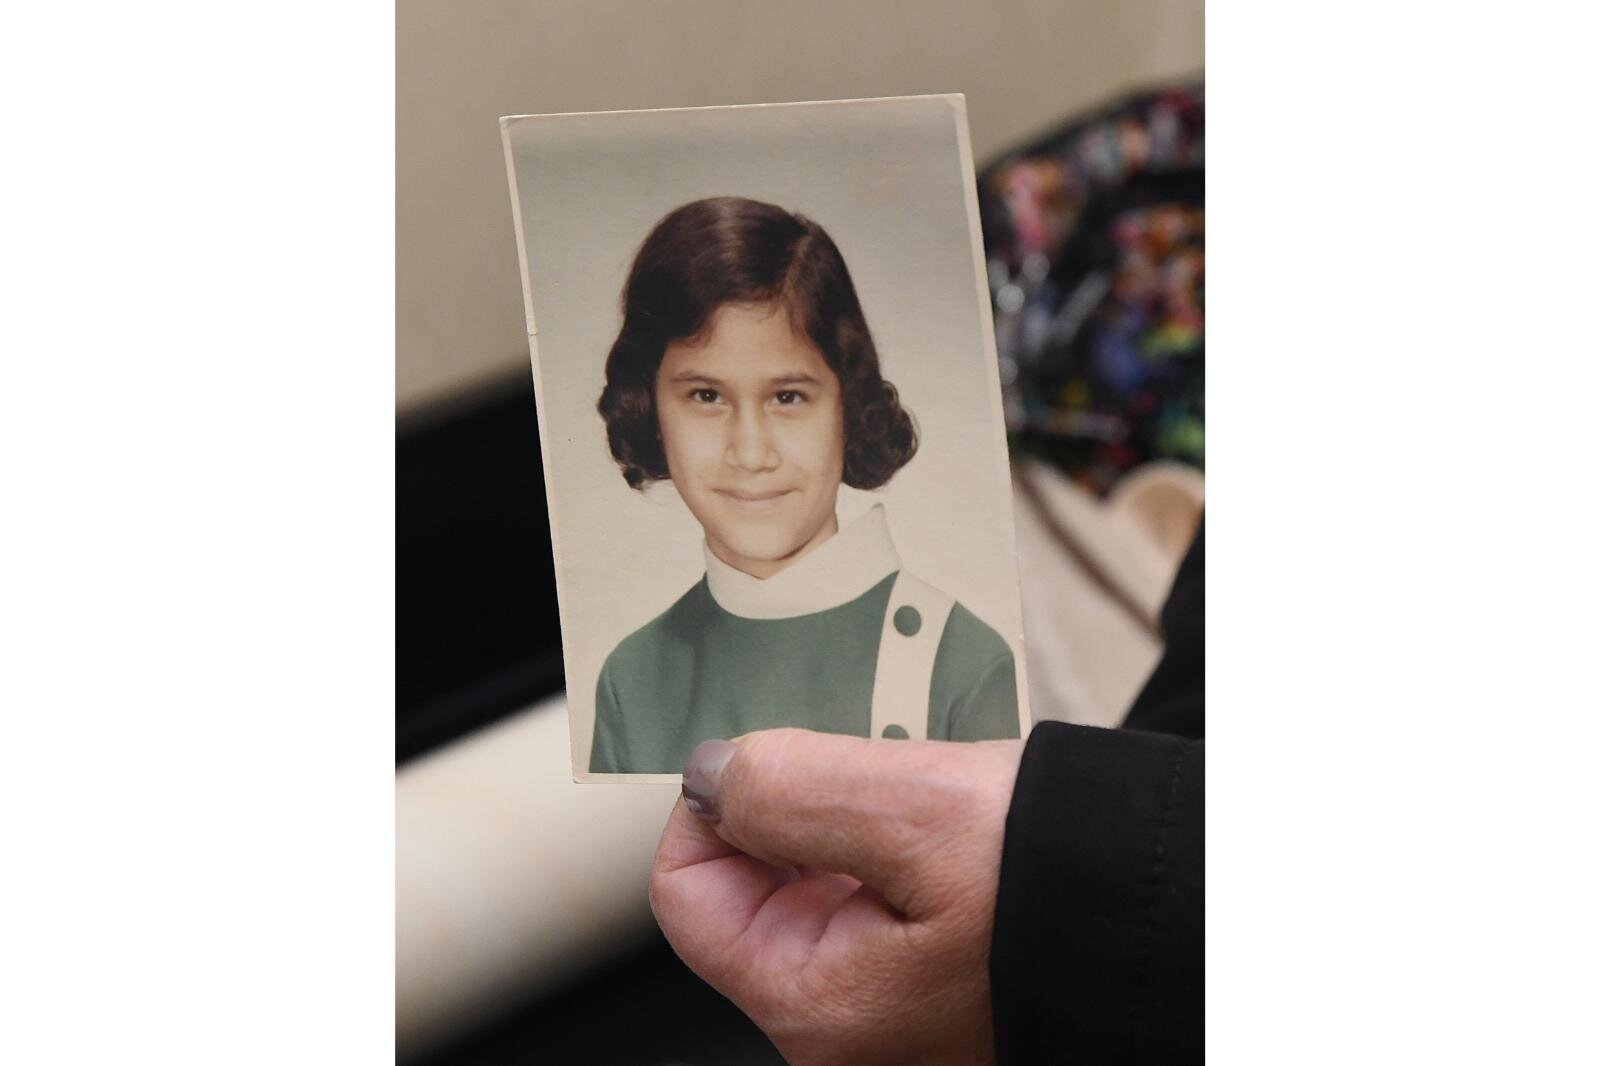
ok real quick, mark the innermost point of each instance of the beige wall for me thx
(460, 64)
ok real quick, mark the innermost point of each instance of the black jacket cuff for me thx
(1099, 939)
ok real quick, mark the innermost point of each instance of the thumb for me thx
(903, 817)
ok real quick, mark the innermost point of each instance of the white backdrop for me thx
(891, 182)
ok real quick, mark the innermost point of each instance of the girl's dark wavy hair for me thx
(730, 250)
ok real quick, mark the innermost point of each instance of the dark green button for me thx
(907, 621)
(897, 732)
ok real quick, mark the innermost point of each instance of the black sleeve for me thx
(1099, 929)
(1099, 938)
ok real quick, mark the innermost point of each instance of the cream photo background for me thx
(892, 184)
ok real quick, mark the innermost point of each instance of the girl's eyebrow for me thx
(694, 376)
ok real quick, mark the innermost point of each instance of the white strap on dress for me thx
(912, 627)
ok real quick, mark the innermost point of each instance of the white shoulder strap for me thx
(912, 626)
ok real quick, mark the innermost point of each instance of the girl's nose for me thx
(750, 445)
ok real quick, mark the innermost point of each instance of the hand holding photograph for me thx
(725, 445)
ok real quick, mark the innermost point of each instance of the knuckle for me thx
(761, 771)
(769, 744)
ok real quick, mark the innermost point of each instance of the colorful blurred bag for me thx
(1095, 239)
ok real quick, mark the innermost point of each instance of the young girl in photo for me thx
(744, 373)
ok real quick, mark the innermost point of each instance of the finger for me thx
(889, 813)
(791, 923)
(706, 894)
(733, 918)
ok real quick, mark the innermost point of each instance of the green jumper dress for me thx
(842, 641)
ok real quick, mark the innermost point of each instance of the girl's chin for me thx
(761, 549)
(760, 557)
(765, 555)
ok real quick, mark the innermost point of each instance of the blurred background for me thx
(523, 932)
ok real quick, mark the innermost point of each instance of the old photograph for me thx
(770, 421)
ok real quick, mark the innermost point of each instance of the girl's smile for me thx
(754, 498)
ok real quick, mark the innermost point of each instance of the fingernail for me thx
(702, 777)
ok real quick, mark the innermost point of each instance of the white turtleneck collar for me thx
(846, 565)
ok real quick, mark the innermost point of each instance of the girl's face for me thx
(752, 423)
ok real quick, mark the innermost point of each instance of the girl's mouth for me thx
(754, 499)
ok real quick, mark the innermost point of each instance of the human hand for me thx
(841, 891)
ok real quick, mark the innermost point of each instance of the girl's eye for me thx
(788, 397)
(705, 395)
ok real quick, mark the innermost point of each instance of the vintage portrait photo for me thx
(771, 427)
